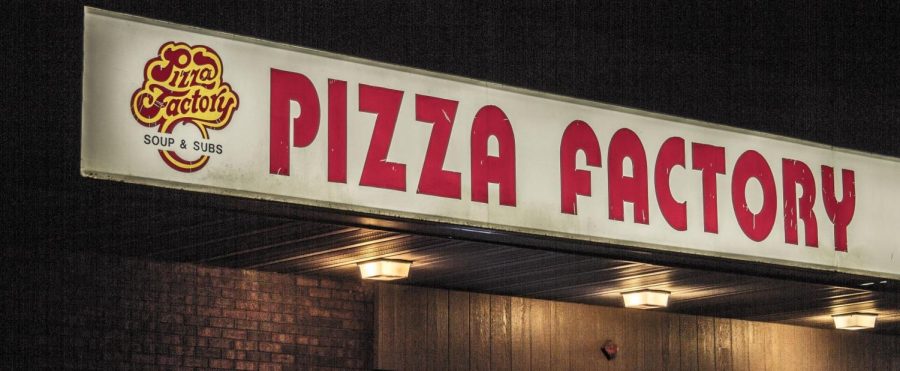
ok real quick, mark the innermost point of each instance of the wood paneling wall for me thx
(433, 329)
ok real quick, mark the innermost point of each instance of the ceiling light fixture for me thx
(384, 269)
(854, 321)
(646, 299)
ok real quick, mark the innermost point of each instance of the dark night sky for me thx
(822, 71)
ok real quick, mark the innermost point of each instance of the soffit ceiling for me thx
(171, 225)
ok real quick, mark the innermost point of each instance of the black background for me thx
(825, 72)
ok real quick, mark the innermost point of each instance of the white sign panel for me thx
(180, 107)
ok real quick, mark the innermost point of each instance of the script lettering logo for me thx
(183, 86)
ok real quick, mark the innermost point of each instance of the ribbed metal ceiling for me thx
(166, 231)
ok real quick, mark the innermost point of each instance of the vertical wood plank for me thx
(559, 337)
(740, 345)
(386, 349)
(671, 342)
(615, 320)
(757, 347)
(595, 339)
(602, 331)
(689, 352)
(706, 345)
(652, 339)
(582, 356)
(832, 345)
(634, 340)
(802, 345)
(850, 348)
(541, 335)
(843, 351)
(521, 334)
(479, 332)
(381, 332)
(772, 351)
(414, 327)
(835, 346)
(895, 354)
(574, 327)
(817, 343)
(599, 334)
(431, 326)
(875, 343)
(865, 355)
(573, 322)
(723, 344)
(459, 330)
(806, 345)
(623, 338)
(501, 333)
(438, 331)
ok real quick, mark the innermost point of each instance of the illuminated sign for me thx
(332, 131)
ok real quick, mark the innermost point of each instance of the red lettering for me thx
(175, 58)
(793, 173)
(435, 180)
(578, 137)
(185, 106)
(377, 171)
(490, 121)
(671, 154)
(286, 87)
(839, 212)
(753, 165)
(710, 160)
(337, 131)
(625, 143)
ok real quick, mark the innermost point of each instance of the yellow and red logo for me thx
(183, 86)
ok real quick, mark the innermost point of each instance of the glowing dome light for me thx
(854, 321)
(384, 269)
(646, 299)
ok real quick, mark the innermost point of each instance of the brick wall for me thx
(64, 310)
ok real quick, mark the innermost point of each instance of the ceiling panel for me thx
(246, 240)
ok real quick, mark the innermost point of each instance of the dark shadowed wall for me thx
(95, 312)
